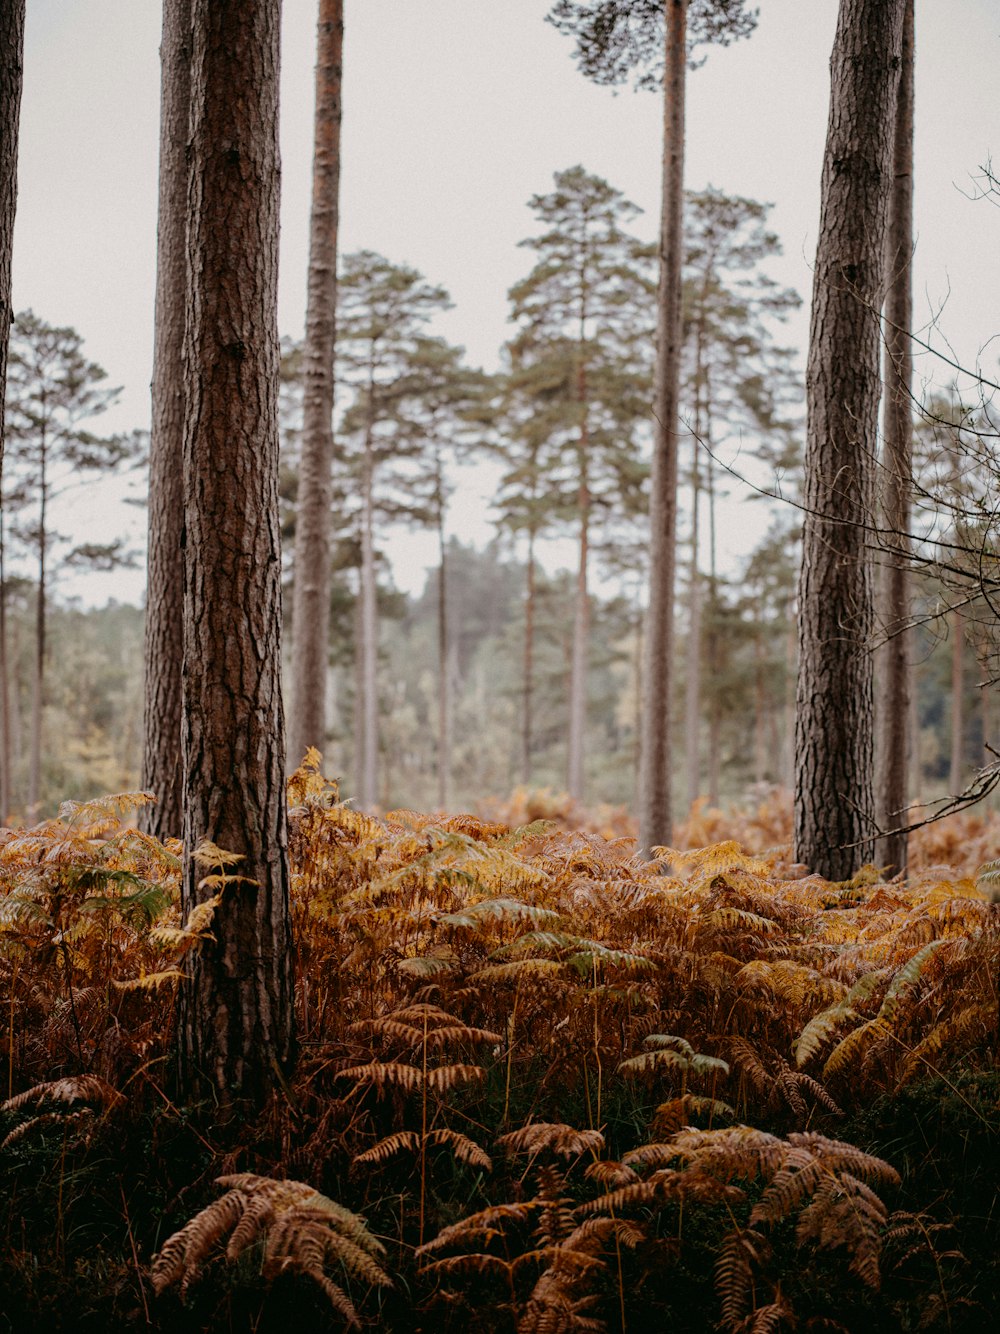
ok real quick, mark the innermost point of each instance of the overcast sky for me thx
(455, 113)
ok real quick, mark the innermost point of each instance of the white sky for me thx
(455, 113)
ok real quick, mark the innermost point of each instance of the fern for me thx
(303, 1232)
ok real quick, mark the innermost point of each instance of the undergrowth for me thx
(542, 1086)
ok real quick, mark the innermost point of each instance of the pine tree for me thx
(735, 379)
(894, 684)
(11, 79)
(235, 1025)
(311, 587)
(383, 311)
(161, 770)
(53, 393)
(583, 313)
(833, 731)
(613, 38)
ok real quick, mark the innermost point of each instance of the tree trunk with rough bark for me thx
(311, 589)
(656, 748)
(956, 769)
(366, 748)
(528, 662)
(580, 655)
(161, 761)
(236, 1021)
(892, 703)
(38, 662)
(444, 666)
(11, 78)
(692, 684)
(834, 805)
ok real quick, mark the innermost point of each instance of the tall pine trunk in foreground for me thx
(235, 1022)
(894, 684)
(161, 758)
(11, 77)
(656, 751)
(834, 806)
(311, 596)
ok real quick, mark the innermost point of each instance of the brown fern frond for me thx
(483, 1226)
(740, 1250)
(554, 1138)
(444, 1077)
(385, 1074)
(463, 1148)
(81, 1119)
(304, 1230)
(400, 1142)
(609, 1175)
(70, 1090)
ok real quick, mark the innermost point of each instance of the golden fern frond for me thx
(906, 977)
(846, 1212)
(515, 969)
(609, 1174)
(82, 1117)
(822, 1026)
(740, 1250)
(444, 1077)
(151, 981)
(70, 1090)
(851, 1050)
(400, 1141)
(458, 1033)
(304, 1231)
(383, 1074)
(183, 1254)
(464, 1149)
(562, 1141)
(103, 811)
(484, 1226)
(195, 931)
(953, 1037)
(467, 1264)
(498, 910)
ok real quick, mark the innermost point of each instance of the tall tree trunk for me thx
(760, 710)
(528, 663)
(580, 655)
(892, 701)
(692, 684)
(656, 752)
(163, 646)
(11, 79)
(956, 769)
(236, 1018)
(367, 747)
(712, 644)
(38, 664)
(834, 805)
(6, 777)
(311, 590)
(444, 667)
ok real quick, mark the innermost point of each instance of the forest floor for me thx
(541, 1085)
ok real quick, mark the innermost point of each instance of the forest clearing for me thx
(594, 928)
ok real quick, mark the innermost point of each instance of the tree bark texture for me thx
(444, 666)
(580, 656)
(956, 768)
(834, 806)
(528, 662)
(366, 749)
(892, 704)
(655, 744)
(163, 646)
(11, 78)
(311, 592)
(236, 1004)
(692, 684)
(38, 664)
